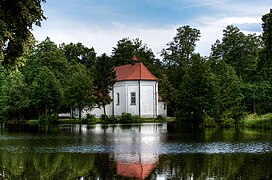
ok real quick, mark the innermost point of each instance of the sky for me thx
(102, 23)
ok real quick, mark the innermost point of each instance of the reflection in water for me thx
(148, 151)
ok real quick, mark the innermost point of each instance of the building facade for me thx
(135, 92)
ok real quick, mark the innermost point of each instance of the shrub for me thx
(126, 118)
(90, 119)
(208, 121)
(160, 118)
(255, 121)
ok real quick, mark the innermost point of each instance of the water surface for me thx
(136, 151)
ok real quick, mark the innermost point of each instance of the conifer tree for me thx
(103, 81)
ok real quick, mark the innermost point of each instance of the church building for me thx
(135, 92)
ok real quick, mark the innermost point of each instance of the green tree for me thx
(265, 55)
(197, 92)
(103, 81)
(182, 47)
(168, 93)
(78, 53)
(14, 98)
(177, 55)
(230, 107)
(238, 50)
(47, 54)
(79, 92)
(46, 92)
(16, 20)
(126, 48)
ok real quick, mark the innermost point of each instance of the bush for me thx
(52, 119)
(160, 118)
(90, 119)
(255, 121)
(209, 121)
(126, 118)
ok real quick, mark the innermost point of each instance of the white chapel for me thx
(135, 92)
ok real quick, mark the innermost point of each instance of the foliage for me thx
(126, 48)
(16, 20)
(14, 98)
(126, 118)
(103, 81)
(90, 119)
(79, 92)
(257, 121)
(46, 92)
(197, 91)
(182, 47)
(78, 53)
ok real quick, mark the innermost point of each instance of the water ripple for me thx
(204, 148)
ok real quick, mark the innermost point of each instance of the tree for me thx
(46, 92)
(182, 47)
(16, 20)
(197, 91)
(265, 55)
(177, 55)
(14, 98)
(238, 50)
(126, 48)
(168, 93)
(230, 106)
(78, 53)
(46, 54)
(79, 92)
(103, 81)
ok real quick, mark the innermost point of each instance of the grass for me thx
(100, 121)
(257, 121)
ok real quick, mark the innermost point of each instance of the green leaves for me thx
(16, 20)
(104, 80)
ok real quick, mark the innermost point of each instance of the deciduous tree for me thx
(16, 20)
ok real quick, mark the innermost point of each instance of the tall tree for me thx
(79, 92)
(238, 50)
(179, 50)
(16, 20)
(104, 80)
(46, 92)
(47, 54)
(78, 53)
(14, 98)
(197, 91)
(177, 55)
(265, 55)
(126, 48)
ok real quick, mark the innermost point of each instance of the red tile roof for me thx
(133, 72)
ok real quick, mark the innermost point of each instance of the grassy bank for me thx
(113, 120)
(257, 121)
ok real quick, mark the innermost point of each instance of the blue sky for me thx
(101, 23)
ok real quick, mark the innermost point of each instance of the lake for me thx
(134, 151)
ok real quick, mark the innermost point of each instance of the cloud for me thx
(101, 25)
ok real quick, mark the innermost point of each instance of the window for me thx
(133, 98)
(117, 98)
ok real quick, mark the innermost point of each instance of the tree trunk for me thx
(254, 107)
(79, 113)
(106, 117)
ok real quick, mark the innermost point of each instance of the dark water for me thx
(146, 151)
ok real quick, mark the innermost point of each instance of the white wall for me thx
(147, 104)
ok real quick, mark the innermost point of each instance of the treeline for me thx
(233, 81)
